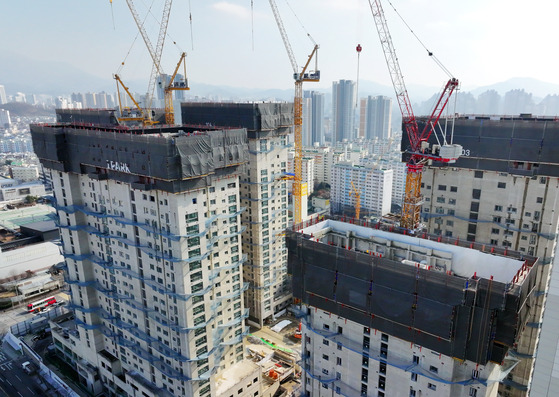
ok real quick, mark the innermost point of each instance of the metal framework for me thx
(411, 209)
(156, 69)
(357, 195)
(299, 188)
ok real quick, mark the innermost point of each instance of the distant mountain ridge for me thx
(21, 74)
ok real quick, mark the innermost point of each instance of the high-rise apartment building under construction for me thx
(151, 229)
(503, 191)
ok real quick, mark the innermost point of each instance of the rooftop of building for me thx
(458, 259)
(438, 292)
(233, 375)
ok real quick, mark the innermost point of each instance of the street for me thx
(13, 379)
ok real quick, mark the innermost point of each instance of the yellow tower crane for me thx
(156, 71)
(357, 195)
(299, 188)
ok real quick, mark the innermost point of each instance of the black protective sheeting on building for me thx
(252, 116)
(503, 144)
(475, 320)
(170, 158)
(88, 116)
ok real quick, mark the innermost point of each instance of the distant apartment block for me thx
(343, 110)
(375, 117)
(24, 174)
(373, 184)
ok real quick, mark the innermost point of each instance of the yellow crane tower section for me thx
(357, 195)
(299, 188)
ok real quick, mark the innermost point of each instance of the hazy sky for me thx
(480, 41)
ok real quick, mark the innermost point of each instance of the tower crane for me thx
(357, 195)
(419, 149)
(156, 70)
(299, 188)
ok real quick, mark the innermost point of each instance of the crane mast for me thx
(299, 188)
(155, 54)
(419, 147)
(357, 195)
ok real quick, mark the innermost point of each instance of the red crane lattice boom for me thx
(419, 150)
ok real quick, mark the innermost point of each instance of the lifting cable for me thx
(437, 61)
(301, 23)
(127, 54)
(251, 22)
(190, 17)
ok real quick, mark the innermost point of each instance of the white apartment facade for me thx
(374, 185)
(503, 192)
(264, 194)
(25, 174)
(153, 259)
(264, 190)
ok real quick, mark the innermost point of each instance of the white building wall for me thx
(374, 185)
(342, 357)
(264, 193)
(174, 297)
(518, 212)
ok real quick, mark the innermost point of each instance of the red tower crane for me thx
(419, 149)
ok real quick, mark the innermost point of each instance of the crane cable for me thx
(301, 23)
(149, 12)
(190, 17)
(435, 59)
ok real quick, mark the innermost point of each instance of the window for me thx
(476, 194)
(325, 342)
(416, 359)
(494, 231)
(432, 386)
(497, 219)
(338, 361)
(452, 201)
(383, 350)
(440, 199)
(478, 174)
(539, 200)
(325, 357)
(414, 377)
(454, 189)
(473, 392)
(366, 342)
(450, 223)
(434, 369)
(324, 371)
(365, 362)
(501, 185)
(384, 337)
(381, 382)
(442, 187)
(382, 368)
(498, 208)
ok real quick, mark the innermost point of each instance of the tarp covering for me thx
(503, 144)
(252, 116)
(165, 156)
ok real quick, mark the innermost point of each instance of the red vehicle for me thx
(41, 304)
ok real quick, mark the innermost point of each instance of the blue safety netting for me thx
(405, 365)
(429, 215)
